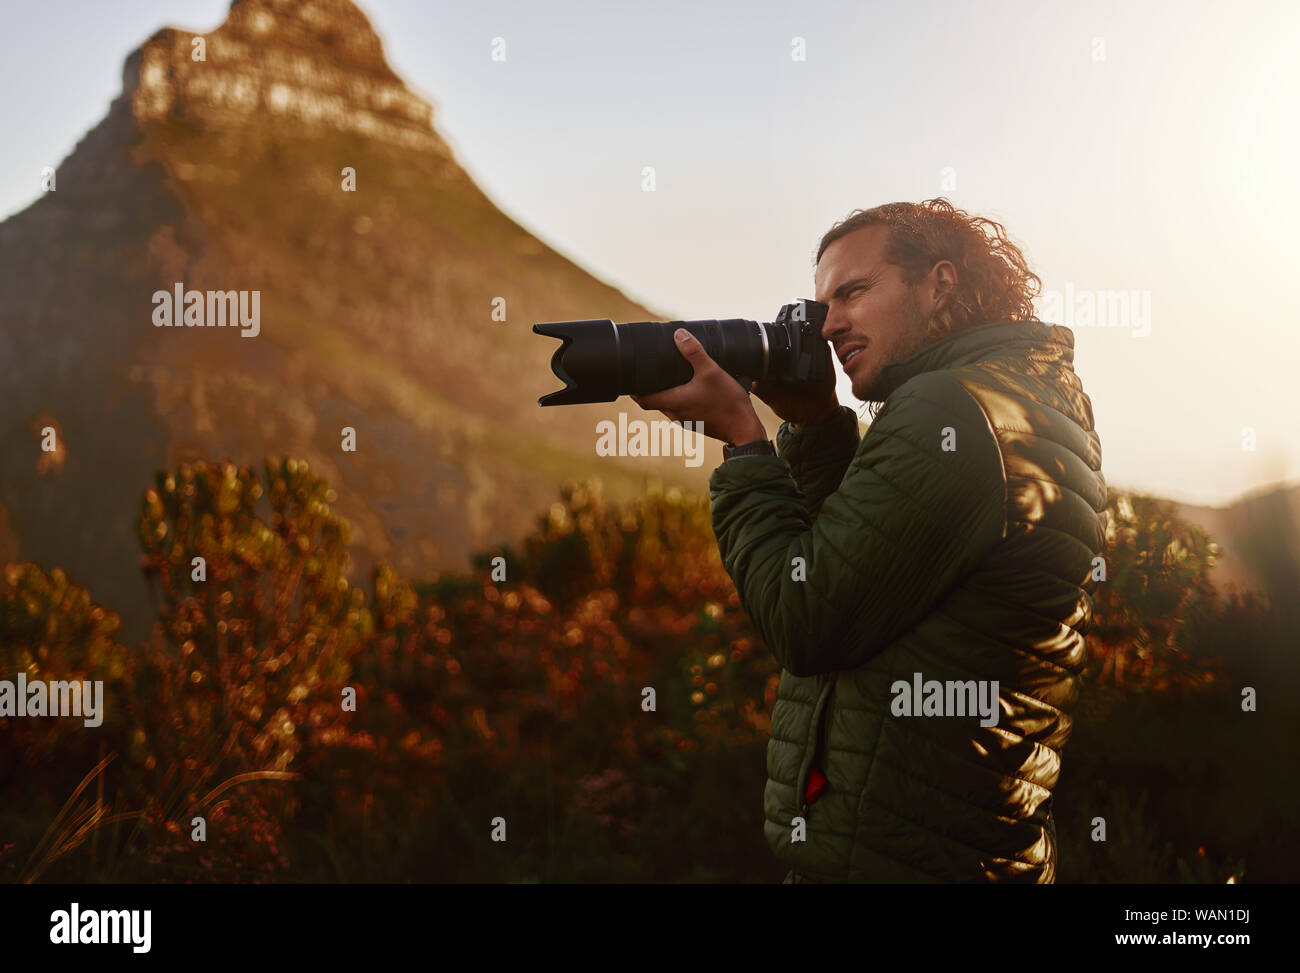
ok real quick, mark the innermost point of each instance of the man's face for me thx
(871, 308)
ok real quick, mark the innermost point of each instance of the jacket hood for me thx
(1045, 343)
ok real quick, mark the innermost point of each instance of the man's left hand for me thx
(712, 397)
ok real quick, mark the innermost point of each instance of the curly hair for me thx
(994, 282)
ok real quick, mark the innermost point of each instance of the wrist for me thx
(751, 432)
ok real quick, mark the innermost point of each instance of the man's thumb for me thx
(692, 350)
(686, 343)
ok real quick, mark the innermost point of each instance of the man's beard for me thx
(916, 335)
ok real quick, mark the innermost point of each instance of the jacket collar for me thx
(1044, 342)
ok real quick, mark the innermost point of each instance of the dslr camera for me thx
(599, 360)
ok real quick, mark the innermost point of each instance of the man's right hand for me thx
(802, 403)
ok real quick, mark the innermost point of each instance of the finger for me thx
(692, 350)
(659, 402)
(652, 400)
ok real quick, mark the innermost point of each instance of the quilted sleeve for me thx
(818, 455)
(921, 503)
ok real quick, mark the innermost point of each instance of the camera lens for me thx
(599, 360)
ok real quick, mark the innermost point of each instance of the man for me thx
(926, 589)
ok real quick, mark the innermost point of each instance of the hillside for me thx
(375, 311)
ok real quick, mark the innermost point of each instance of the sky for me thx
(1144, 155)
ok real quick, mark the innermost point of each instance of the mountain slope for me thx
(375, 311)
(1259, 542)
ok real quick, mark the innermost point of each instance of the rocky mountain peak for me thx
(306, 63)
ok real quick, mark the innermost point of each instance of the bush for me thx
(523, 700)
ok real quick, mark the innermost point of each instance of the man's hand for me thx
(712, 397)
(802, 403)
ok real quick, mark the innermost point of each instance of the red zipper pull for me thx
(816, 784)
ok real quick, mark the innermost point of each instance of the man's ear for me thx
(945, 283)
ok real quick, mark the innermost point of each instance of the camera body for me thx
(599, 360)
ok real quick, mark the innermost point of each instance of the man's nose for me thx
(835, 323)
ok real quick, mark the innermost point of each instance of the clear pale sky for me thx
(1127, 146)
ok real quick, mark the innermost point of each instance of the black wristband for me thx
(762, 447)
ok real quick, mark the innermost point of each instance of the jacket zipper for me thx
(815, 738)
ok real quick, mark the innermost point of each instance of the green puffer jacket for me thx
(956, 540)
